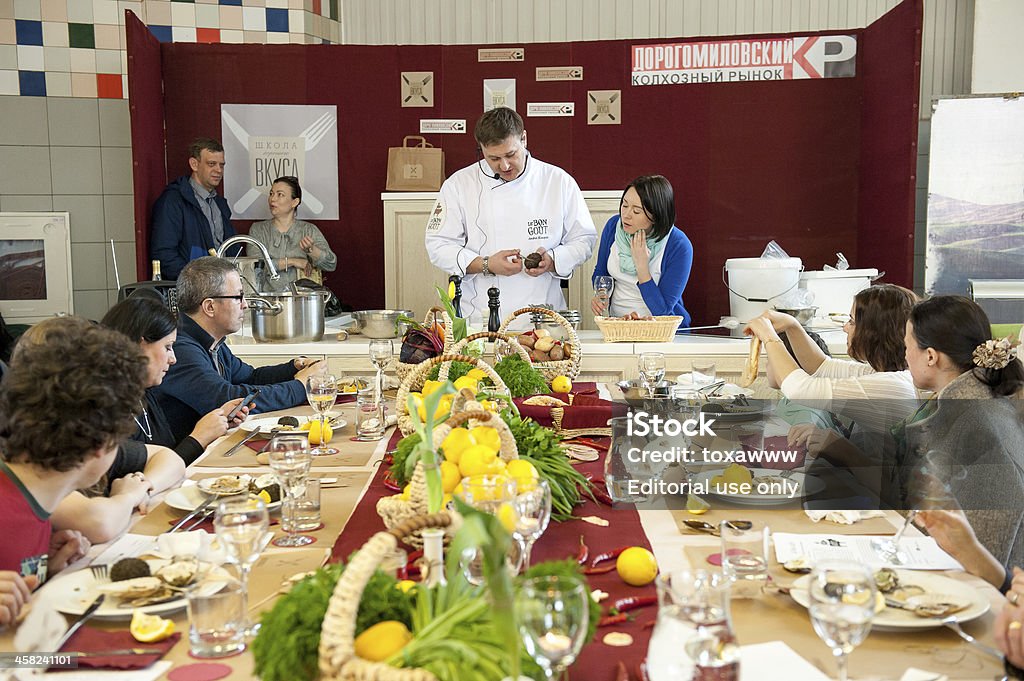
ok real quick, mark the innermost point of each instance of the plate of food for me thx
(736, 409)
(274, 424)
(914, 599)
(154, 586)
(188, 498)
(768, 487)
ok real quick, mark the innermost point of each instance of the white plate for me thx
(266, 424)
(736, 414)
(808, 485)
(893, 619)
(188, 498)
(77, 591)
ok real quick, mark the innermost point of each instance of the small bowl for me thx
(804, 315)
(381, 323)
(635, 392)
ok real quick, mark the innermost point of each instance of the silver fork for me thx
(787, 474)
(953, 625)
(101, 573)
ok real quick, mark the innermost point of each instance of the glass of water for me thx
(745, 558)
(217, 621)
(603, 287)
(842, 606)
(241, 526)
(552, 614)
(290, 459)
(652, 369)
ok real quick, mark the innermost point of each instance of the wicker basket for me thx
(416, 378)
(558, 413)
(659, 330)
(403, 369)
(337, 656)
(564, 367)
(394, 511)
(503, 338)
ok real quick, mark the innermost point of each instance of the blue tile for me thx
(277, 20)
(33, 83)
(28, 32)
(236, 3)
(162, 33)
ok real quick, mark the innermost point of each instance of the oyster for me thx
(178, 574)
(936, 605)
(133, 588)
(799, 565)
(887, 580)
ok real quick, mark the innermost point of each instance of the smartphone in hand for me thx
(247, 400)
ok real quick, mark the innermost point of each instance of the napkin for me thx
(587, 411)
(920, 675)
(88, 639)
(776, 661)
(843, 517)
(198, 543)
(151, 673)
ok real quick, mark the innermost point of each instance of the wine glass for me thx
(603, 287)
(322, 391)
(552, 614)
(842, 605)
(290, 459)
(241, 526)
(652, 369)
(533, 513)
(381, 352)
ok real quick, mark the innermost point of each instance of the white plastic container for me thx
(756, 283)
(834, 289)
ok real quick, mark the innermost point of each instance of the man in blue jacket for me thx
(190, 217)
(207, 374)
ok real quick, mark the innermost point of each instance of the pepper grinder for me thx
(494, 318)
(457, 298)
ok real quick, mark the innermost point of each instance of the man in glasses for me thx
(207, 374)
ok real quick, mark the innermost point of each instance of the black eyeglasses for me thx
(240, 297)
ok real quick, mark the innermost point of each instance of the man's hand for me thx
(506, 263)
(136, 487)
(547, 264)
(15, 592)
(315, 368)
(66, 546)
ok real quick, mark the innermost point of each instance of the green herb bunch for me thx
(403, 461)
(520, 377)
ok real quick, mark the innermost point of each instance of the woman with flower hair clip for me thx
(970, 436)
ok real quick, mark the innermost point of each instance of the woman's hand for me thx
(813, 438)
(214, 424)
(15, 592)
(1009, 633)
(598, 306)
(306, 244)
(780, 321)
(761, 328)
(66, 546)
(641, 255)
(136, 487)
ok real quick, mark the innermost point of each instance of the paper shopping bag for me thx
(417, 168)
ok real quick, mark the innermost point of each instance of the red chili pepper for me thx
(634, 602)
(602, 557)
(599, 570)
(612, 619)
(600, 492)
(649, 625)
(590, 443)
(583, 553)
(402, 573)
(414, 556)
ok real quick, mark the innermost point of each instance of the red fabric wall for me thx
(750, 162)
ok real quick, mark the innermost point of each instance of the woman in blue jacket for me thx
(644, 252)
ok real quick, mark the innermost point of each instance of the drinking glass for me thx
(533, 513)
(552, 614)
(652, 369)
(842, 605)
(290, 460)
(381, 352)
(494, 494)
(603, 287)
(322, 391)
(693, 615)
(241, 526)
(217, 621)
(370, 424)
(704, 373)
(745, 558)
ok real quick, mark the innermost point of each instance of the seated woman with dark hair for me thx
(645, 253)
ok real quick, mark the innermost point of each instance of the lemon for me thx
(477, 373)
(459, 491)
(456, 442)
(466, 382)
(307, 425)
(450, 476)
(561, 384)
(717, 481)
(521, 468)
(443, 407)
(696, 505)
(498, 467)
(406, 492)
(637, 566)
(430, 386)
(264, 495)
(737, 473)
(382, 640)
(318, 436)
(406, 585)
(508, 517)
(488, 437)
(476, 460)
(525, 484)
(150, 628)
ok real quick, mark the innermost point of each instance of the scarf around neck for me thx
(622, 240)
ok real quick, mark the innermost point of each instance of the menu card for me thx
(921, 553)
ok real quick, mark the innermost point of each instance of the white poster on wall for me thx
(265, 141)
(975, 193)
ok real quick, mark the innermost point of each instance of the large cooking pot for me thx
(288, 317)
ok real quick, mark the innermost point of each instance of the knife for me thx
(117, 653)
(231, 452)
(89, 612)
(196, 511)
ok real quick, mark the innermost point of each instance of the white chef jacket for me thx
(477, 215)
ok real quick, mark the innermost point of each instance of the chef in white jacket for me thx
(494, 213)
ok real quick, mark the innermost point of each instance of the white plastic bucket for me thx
(834, 289)
(756, 283)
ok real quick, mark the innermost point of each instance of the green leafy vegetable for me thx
(520, 377)
(456, 371)
(403, 462)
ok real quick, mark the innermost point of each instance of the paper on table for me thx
(126, 546)
(920, 675)
(776, 661)
(843, 517)
(151, 673)
(922, 553)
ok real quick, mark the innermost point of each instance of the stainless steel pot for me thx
(288, 317)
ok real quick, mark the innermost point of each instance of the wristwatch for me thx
(486, 269)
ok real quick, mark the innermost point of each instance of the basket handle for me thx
(495, 336)
(425, 366)
(420, 522)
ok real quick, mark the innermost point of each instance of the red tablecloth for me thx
(597, 661)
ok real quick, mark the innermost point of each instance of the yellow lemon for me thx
(318, 436)
(696, 505)
(430, 386)
(737, 473)
(150, 628)
(488, 437)
(307, 425)
(450, 476)
(446, 499)
(406, 585)
(521, 468)
(508, 517)
(264, 495)
(561, 384)
(456, 442)
(477, 373)
(476, 460)
(382, 640)
(490, 405)
(406, 492)
(466, 382)
(525, 484)
(717, 481)
(637, 566)
(498, 467)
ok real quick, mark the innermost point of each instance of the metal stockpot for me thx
(288, 317)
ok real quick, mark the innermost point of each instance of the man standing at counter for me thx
(207, 374)
(494, 214)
